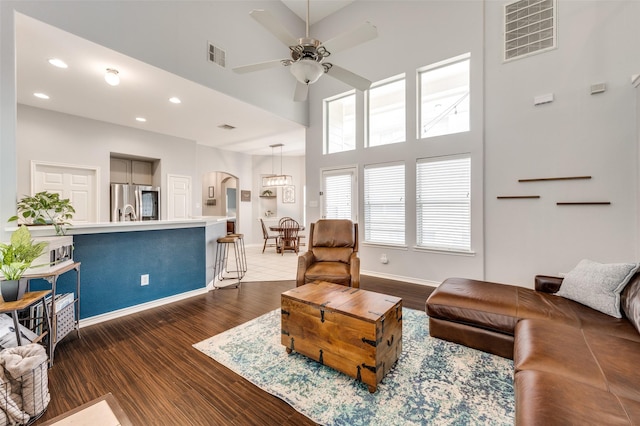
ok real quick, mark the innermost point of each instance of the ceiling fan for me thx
(308, 54)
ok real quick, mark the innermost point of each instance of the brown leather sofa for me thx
(332, 254)
(573, 365)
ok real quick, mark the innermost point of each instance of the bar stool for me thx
(243, 253)
(220, 266)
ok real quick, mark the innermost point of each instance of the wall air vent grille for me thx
(217, 55)
(530, 27)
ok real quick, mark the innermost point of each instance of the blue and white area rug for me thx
(434, 382)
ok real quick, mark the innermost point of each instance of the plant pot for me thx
(13, 290)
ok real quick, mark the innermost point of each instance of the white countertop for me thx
(147, 225)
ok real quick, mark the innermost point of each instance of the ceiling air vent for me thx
(217, 55)
(530, 27)
(226, 126)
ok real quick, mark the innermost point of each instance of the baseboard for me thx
(85, 322)
(400, 278)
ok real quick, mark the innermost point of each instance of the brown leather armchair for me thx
(332, 254)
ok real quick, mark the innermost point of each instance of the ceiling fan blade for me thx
(302, 90)
(268, 21)
(364, 32)
(346, 76)
(257, 67)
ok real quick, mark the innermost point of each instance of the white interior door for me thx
(178, 197)
(340, 194)
(77, 183)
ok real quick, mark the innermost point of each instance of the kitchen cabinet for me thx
(131, 172)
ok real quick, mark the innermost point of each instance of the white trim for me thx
(411, 280)
(85, 322)
(445, 251)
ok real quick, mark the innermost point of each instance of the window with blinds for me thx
(340, 123)
(443, 201)
(337, 190)
(386, 116)
(384, 204)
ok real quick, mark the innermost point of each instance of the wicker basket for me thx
(23, 400)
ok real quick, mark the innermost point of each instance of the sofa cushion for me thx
(544, 398)
(630, 302)
(598, 285)
(333, 272)
(496, 307)
(599, 360)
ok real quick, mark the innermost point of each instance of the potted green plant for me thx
(15, 258)
(45, 208)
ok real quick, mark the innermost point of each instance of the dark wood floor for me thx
(147, 362)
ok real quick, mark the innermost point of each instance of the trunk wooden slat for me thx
(356, 332)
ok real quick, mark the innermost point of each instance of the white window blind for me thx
(337, 192)
(384, 204)
(386, 116)
(340, 124)
(443, 191)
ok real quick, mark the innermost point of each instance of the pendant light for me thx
(274, 179)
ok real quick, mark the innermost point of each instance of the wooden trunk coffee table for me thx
(356, 332)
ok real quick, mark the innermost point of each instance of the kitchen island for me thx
(176, 255)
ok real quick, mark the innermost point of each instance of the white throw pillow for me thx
(598, 285)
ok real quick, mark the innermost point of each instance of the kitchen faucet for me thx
(129, 213)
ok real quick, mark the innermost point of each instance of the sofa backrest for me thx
(630, 301)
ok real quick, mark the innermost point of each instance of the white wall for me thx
(578, 134)
(55, 137)
(411, 35)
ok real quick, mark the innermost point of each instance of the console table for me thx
(57, 332)
(29, 299)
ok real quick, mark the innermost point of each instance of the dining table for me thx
(279, 229)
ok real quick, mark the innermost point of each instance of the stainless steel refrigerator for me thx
(134, 203)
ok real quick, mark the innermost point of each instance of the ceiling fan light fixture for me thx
(111, 77)
(307, 71)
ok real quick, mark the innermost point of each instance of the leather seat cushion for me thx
(499, 307)
(600, 360)
(333, 272)
(543, 398)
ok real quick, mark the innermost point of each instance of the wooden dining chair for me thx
(288, 240)
(267, 236)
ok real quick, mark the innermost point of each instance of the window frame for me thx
(366, 211)
(444, 248)
(419, 90)
(367, 109)
(326, 121)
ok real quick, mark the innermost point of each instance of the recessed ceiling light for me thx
(111, 77)
(141, 119)
(41, 95)
(175, 100)
(58, 63)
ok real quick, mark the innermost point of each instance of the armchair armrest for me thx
(547, 283)
(354, 265)
(304, 261)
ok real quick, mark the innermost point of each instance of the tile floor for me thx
(270, 266)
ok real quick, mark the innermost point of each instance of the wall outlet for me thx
(384, 259)
(144, 279)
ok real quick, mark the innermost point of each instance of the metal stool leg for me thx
(221, 262)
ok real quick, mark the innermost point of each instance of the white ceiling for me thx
(318, 10)
(144, 90)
